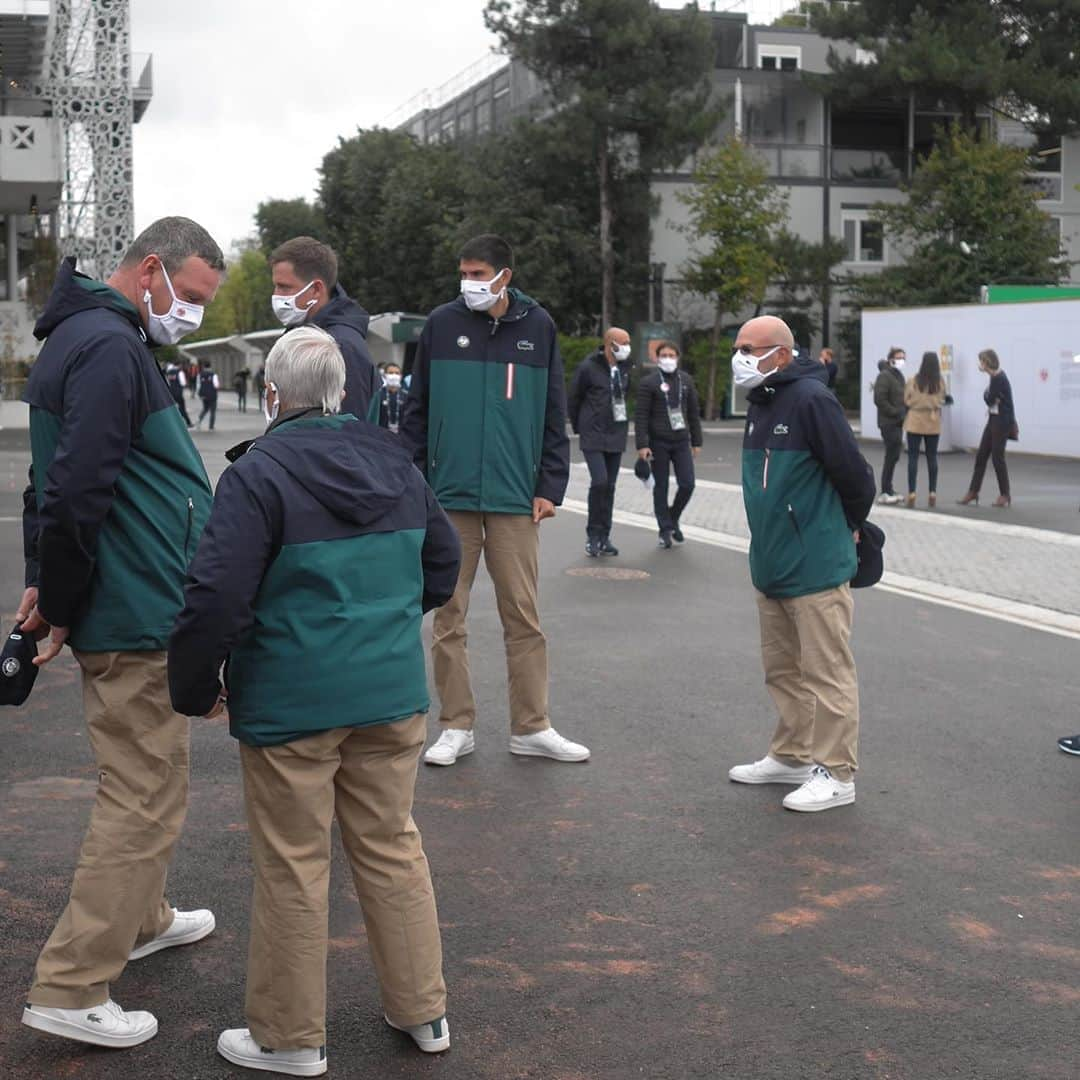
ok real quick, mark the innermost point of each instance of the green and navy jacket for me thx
(486, 411)
(805, 485)
(323, 550)
(120, 493)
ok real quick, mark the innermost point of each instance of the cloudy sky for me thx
(250, 94)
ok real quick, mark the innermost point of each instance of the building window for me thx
(865, 56)
(864, 238)
(780, 57)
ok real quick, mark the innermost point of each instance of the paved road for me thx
(639, 915)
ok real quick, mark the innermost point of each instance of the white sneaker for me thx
(821, 792)
(449, 746)
(432, 1038)
(770, 771)
(101, 1025)
(187, 927)
(887, 499)
(549, 744)
(237, 1045)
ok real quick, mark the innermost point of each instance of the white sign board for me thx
(1039, 348)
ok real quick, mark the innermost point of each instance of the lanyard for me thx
(616, 384)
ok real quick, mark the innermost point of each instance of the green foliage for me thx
(242, 304)
(705, 355)
(969, 192)
(804, 280)
(576, 349)
(1020, 54)
(278, 220)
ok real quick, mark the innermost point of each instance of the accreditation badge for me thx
(619, 410)
(676, 418)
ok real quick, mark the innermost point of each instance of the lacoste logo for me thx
(525, 346)
(780, 429)
(11, 667)
(94, 1018)
(463, 342)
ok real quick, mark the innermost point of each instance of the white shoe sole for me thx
(794, 781)
(839, 800)
(429, 760)
(266, 1063)
(189, 938)
(67, 1030)
(429, 1046)
(529, 751)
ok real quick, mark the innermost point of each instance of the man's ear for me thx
(144, 272)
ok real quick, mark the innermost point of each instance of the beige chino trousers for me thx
(365, 778)
(117, 896)
(511, 547)
(810, 674)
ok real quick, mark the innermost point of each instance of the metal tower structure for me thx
(87, 79)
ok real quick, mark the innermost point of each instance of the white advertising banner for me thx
(1039, 348)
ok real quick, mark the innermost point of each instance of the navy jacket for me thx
(347, 323)
(651, 420)
(589, 403)
(120, 492)
(806, 487)
(999, 393)
(323, 551)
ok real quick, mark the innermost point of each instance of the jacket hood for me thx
(520, 306)
(799, 368)
(355, 470)
(342, 310)
(73, 292)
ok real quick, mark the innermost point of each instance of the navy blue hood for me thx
(356, 471)
(342, 310)
(799, 368)
(73, 292)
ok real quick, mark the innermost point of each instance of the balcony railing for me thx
(876, 168)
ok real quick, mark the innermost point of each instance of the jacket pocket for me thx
(190, 529)
(793, 518)
(435, 450)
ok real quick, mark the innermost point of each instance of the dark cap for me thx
(642, 470)
(868, 552)
(17, 670)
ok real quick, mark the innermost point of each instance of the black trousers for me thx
(603, 475)
(992, 447)
(893, 434)
(241, 401)
(666, 456)
(178, 397)
(913, 459)
(209, 405)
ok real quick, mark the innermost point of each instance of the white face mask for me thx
(286, 309)
(898, 363)
(621, 352)
(478, 294)
(668, 364)
(181, 318)
(271, 414)
(744, 369)
(393, 381)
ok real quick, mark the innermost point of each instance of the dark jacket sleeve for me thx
(831, 440)
(414, 415)
(889, 398)
(237, 546)
(642, 406)
(575, 396)
(30, 532)
(440, 555)
(999, 393)
(360, 374)
(693, 413)
(555, 455)
(104, 406)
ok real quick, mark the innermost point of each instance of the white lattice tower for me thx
(88, 82)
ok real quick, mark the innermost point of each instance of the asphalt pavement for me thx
(639, 915)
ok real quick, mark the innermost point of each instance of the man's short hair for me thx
(310, 259)
(665, 344)
(894, 350)
(826, 354)
(172, 240)
(308, 370)
(490, 249)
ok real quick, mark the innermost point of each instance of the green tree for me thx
(635, 82)
(242, 304)
(1020, 55)
(970, 218)
(805, 280)
(735, 215)
(278, 220)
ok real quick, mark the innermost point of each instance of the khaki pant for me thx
(811, 677)
(117, 897)
(365, 776)
(511, 547)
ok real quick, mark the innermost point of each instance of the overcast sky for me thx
(250, 94)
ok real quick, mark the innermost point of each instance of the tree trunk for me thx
(607, 249)
(714, 354)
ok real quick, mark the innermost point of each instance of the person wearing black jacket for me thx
(667, 431)
(307, 293)
(596, 405)
(323, 550)
(391, 399)
(1000, 427)
(891, 410)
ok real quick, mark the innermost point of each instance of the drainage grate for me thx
(608, 573)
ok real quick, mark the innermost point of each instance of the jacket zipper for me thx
(190, 523)
(794, 521)
(765, 472)
(438, 440)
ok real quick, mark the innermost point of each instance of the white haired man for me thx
(324, 544)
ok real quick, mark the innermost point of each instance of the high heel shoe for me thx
(970, 497)
(1003, 500)
(932, 501)
(911, 499)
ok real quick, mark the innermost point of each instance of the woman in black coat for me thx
(667, 430)
(1000, 427)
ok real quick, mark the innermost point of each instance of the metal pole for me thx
(11, 239)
